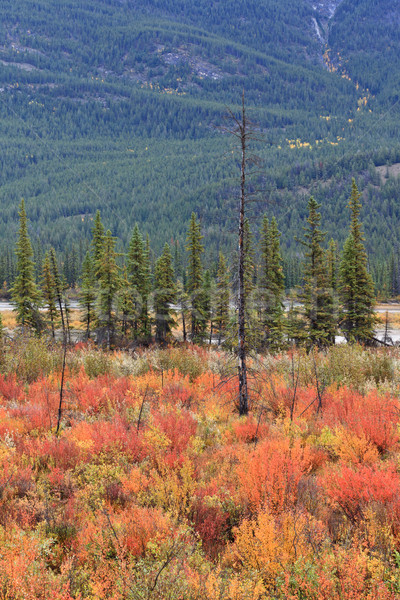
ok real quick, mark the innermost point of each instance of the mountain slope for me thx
(116, 105)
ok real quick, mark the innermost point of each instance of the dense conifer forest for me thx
(120, 107)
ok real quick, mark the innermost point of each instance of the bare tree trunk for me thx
(184, 325)
(242, 368)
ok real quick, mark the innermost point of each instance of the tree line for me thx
(136, 298)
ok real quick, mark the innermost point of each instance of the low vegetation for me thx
(155, 488)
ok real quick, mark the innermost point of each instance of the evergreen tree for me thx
(252, 328)
(98, 235)
(107, 272)
(25, 293)
(67, 308)
(146, 290)
(332, 265)
(164, 295)
(195, 278)
(88, 294)
(316, 294)
(49, 292)
(249, 265)
(355, 283)
(272, 287)
(59, 289)
(222, 298)
(183, 302)
(125, 302)
(137, 281)
(207, 302)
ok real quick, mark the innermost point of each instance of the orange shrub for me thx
(179, 427)
(270, 474)
(354, 488)
(375, 416)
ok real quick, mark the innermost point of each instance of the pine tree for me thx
(252, 328)
(136, 278)
(207, 304)
(195, 278)
(58, 288)
(25, 293)
(182, 300)
(272, 287)
(164, 295)
(222, 298)
(98, 235)
(49, 292)
(355, 283)
(316, 294)
(125, 302)
(332, 265)
(107, 272)
(88, 294)
(146, 290)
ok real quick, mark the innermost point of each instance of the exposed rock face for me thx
(326, 8)
(324, 11)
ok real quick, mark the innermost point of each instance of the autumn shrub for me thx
(249, 430)
(269, 544)
(102, 394)
(179, 427)
(30, 357)
(191, 361)
(110, 437)
(23, 573)
(373, 415)
(211, 518)
(354, 488)
(154, 486)
(11, 389)
(340, 573)
(269, 475)
(96, 363)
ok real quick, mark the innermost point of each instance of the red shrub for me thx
(179, 427)
(249, 430)
(354, 488)
(210, 519)
(270, 474)
(374, 415)
(10, 387)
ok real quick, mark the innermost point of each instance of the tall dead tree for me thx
(243, 131)
(242, 367)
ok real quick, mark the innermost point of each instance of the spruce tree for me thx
(207, 302)
(356, 287)
(316, 294)
(146, 290)
(125, 302)
(49, 292)
(182, 300)
(164, 295)
(88, 294)
(98, 235)
(252, 328)
(272, 287)
(222, 298)
(107, 272)
(195, 278)
(332, 265)
(136, 277)
(25, 293)
(59, 289)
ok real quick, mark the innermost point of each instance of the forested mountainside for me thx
(118, 106)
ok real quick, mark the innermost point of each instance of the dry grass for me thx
(10, 322)
(393, 317)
